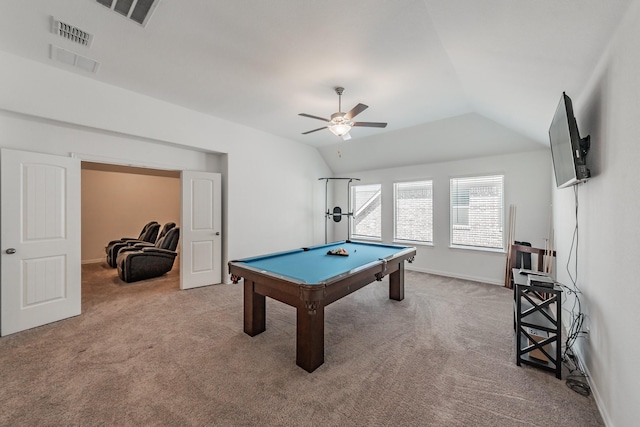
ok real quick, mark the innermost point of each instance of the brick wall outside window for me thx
(483, 204)
(367, 220)
(413, 211)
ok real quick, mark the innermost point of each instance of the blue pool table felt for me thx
(315, 266)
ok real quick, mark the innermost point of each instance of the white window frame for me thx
(427, 184)
(355, 210)
(474, 217)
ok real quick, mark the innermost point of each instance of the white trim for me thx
(412, 242)
(478, 248)
(93, 261)
(365, 238)
(600, 404)
(455, 276)
(95, 158)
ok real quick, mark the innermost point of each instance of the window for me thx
(477, 211)
(367, 211)
(413, 211)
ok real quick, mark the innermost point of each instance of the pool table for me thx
(309, 279)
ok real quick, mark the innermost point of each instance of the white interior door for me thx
(40, 240)
(201, 258)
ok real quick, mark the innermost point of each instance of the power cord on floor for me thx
(577, 378)
(579, 384)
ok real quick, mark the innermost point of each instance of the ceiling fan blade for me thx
(315, 130)
(355, 111)
(314, 117)
(370, 124)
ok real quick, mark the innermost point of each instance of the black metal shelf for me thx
(538, 326)
(542, 318)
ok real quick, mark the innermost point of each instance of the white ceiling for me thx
(260, 63)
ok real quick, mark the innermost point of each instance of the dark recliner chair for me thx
(138, 243)
(139, 262)
(165, 229)
(148, 234)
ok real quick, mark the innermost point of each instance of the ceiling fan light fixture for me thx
(341, 123)
(340, 129)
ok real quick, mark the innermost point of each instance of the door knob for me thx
(11, 251)
(217, 233)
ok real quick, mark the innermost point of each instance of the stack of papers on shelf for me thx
(535, 280)
(533, 272)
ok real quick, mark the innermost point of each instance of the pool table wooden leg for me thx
(310, 336)
(396, 283)
(254, 310)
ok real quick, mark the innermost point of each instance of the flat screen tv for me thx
(568, 150)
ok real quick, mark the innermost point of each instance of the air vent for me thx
(137, 10)
(71, 33)
(73, 59)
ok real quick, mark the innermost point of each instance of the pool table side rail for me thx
(236, 267)
(275, 286)
(273, 255)
(362, 278)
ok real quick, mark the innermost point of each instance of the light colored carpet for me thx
(149, 354)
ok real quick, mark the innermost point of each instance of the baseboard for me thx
(577, 351)
(455, 276)
(92, 261)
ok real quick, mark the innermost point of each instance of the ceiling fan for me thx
(341, 123)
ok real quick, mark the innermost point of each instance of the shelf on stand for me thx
(538, 324)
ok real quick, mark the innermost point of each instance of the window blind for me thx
(477, 211)
(367, 211)
(413, 211)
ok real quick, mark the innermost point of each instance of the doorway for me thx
(116, 202)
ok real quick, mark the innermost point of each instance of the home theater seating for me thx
(139, 262)
(148, 234)
(147, 256)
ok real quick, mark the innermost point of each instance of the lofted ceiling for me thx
(260, 63)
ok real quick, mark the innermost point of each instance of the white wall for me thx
(277, 198)
(23, 132)
(465, 136)
(609, 231)
(118, 201)
(527, 181)
(53, 111)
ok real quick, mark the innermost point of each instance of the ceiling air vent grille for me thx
(73, 59)
(137, 10)
(71, 33)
